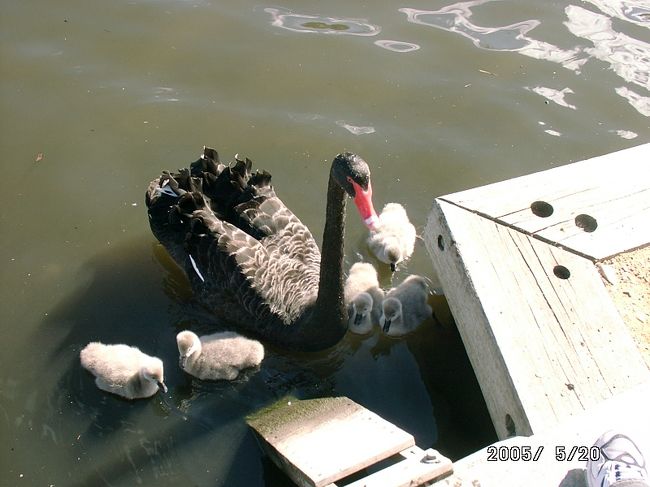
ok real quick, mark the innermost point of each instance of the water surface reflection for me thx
(97, 98)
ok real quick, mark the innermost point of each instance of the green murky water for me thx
(97, 97)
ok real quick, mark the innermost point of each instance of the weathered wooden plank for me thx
(543, 347)
(320, 441)
(417, 468)
(613, 189)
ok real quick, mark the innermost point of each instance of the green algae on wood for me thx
(290, 415)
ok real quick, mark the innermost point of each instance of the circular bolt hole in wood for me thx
(586, 222)
(561, 272)
(541, 209)
(441, 243)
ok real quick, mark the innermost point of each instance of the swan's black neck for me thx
(330, 309)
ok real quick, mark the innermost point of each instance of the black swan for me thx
(249, 259)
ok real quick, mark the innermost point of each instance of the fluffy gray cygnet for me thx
(123, 370)
(363, 297)
(220, 355)
(405, 307)
(393, 239)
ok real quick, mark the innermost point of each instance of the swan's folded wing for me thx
(283, 231)
(229, 265)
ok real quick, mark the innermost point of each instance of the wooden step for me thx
(321, 441)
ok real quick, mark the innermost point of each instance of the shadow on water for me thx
(197, 432)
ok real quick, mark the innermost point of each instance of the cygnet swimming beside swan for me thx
(220, 355)
(405, 307)
(123, 370)
(393, 238)
(363, 297)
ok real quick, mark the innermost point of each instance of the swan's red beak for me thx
(363, 200)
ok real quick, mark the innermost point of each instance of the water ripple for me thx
(456, 18)
(355, 129)
(285, 19)
(640, 103)
(625, 134)
(635, 11)
(627, 56)
(556, 96)
(397, 46)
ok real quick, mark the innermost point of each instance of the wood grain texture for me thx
(542, 347)
(328, 439)
(416, 468)
(614, 189)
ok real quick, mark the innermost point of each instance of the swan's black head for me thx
(352, 173)
(350, 170)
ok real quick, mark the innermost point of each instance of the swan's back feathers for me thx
(361, 277)
(413, 293)
(221, 355)
(266, 280)
(246, 254)
(119, 369)
(232, 348)
(115, 363)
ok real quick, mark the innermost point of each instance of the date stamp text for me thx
(526, 453)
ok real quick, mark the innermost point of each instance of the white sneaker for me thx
(620, 461)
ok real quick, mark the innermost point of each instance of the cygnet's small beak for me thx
(162, 386)
(393, 267)
(386, 326)
(357, 318)
(181, 361)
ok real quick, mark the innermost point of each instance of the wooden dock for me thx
(321, 441)
(519, 264)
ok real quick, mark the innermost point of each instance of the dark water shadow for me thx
(138, 296)
(197, 432)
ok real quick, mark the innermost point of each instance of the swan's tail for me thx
(230, 192)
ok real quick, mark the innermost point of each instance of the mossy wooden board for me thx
(320, 441)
